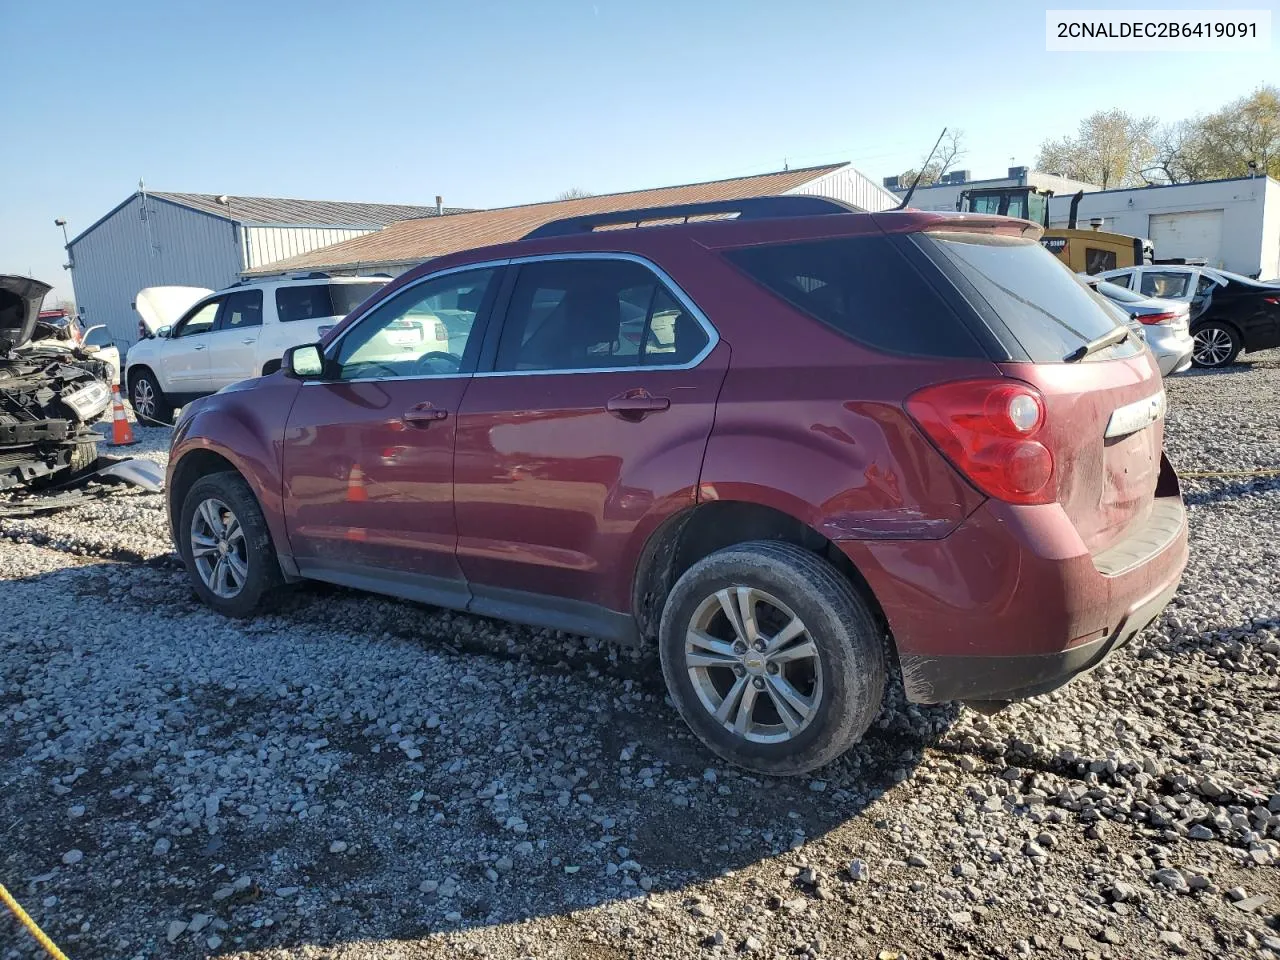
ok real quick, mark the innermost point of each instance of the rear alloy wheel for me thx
(772, 657)
(1215, 345)
(224, 541)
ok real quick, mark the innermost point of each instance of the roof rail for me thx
(747, 208)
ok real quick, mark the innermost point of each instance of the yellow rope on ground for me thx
(1206, 474)
(30, 924)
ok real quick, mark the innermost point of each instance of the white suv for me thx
(194, 341)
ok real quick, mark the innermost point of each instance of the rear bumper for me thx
(1012, 604)
(1016, 677)
(1171, 347)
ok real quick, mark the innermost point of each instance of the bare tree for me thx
(949, 152)
(1110, 148)
(1179, 154)
(573, 193)
(1244, 130)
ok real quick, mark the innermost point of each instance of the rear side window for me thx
(864, 288)
(1042, 304)
(595, 314)
(316, 301)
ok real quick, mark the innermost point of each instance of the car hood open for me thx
(162, 306)
(20, 299)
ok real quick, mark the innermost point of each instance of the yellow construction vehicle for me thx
(1084, 251)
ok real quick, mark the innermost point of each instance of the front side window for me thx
(1165, 283)
(199, 320)
(595, 314)
(425, 330)
(241, 310)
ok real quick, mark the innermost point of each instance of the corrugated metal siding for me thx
(849, 185)
(268, 244)
(125, 253)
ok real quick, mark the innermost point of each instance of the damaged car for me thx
(48, 399)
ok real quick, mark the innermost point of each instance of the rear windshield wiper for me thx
(1118, 335)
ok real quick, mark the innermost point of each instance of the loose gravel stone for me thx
(507, 792)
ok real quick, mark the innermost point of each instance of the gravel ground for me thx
(354, 777)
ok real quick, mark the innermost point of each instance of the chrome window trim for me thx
(713, 335)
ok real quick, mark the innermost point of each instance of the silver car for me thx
(1165, 324)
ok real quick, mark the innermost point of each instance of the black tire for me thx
(83, 455)
(1217, 344)
(149, 403)
(263, 577)
(850, 650)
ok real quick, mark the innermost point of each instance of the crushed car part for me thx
(48, 399)
(93, 481)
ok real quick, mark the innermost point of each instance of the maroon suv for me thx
(784, 440)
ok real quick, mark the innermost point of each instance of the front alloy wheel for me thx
(218, 548)
(753, 665)
(144, 400)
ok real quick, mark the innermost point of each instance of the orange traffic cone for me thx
(121, 432)
(356, 492)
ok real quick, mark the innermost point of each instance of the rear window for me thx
(1041, 303)
(316, 300)
(864, 288)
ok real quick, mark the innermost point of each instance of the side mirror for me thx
(303, 363)
(164, 331)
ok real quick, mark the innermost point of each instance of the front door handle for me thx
(199, 346)
(250, 340)
(636, 405)
(423, 415)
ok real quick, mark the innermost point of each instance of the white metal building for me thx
(193, 239)
(1231, 224)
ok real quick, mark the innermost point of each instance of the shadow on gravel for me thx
(578, 787)
(1221, 491)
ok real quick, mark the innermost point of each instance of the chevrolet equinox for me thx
(789, 442)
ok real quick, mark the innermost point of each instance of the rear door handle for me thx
(199, 346)
(636, 404)
(250, 340)
(423, 415)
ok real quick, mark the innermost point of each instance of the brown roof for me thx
(414, 240)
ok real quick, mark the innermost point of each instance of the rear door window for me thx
(585, 314)
(865, 289)
(318, 301)
(1044, 307)
(1170, 284)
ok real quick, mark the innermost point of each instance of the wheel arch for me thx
(687, 537)
(199, 458)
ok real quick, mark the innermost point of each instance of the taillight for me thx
(988, 429)
(1274, 301)
(1151, 319)
(442, 332)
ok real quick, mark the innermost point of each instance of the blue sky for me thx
(492, 103)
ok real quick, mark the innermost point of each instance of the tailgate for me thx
(1105, 484)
